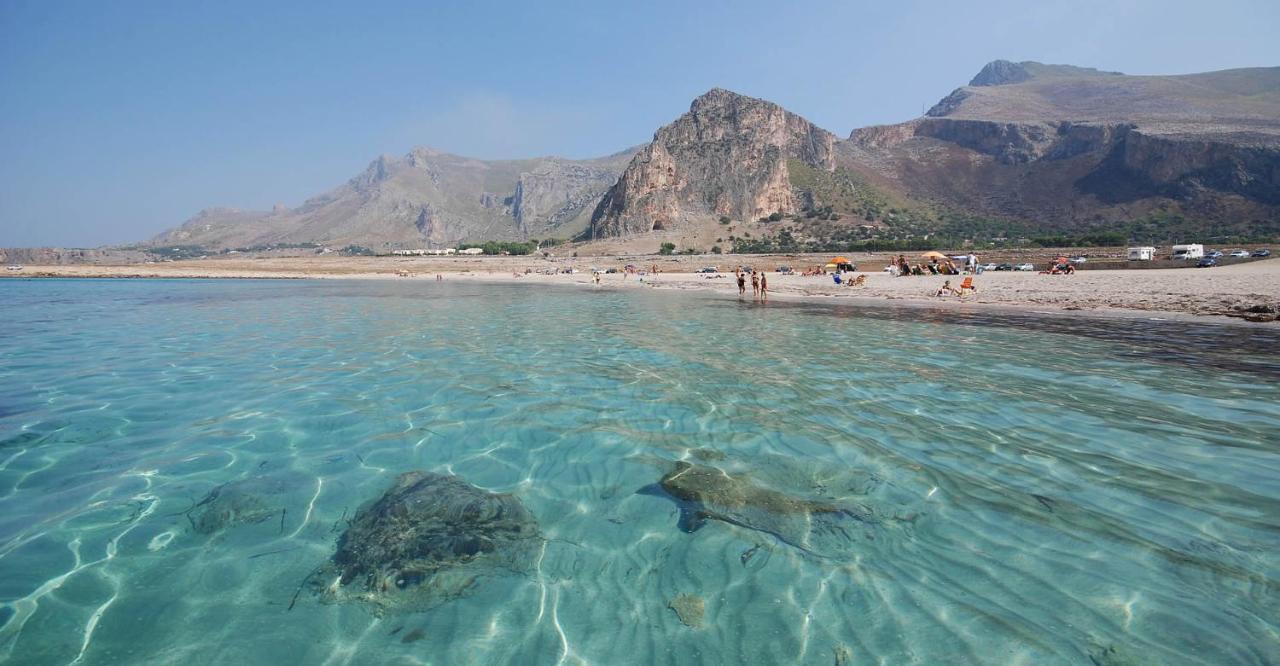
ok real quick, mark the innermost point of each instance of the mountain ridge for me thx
(1040, 146)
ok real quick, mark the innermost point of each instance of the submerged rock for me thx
(247, 501)
(689, 609)
(818, 527)
(429, 539)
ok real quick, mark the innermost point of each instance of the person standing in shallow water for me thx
(764, 287)
(755, 285)
(742, 283)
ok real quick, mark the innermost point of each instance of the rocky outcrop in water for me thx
(821, 528)
(245, 502)
(689, 608)
(726, 157)
(429, 539)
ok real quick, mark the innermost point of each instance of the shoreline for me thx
(1216, 296)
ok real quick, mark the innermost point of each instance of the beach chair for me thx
(967, 286)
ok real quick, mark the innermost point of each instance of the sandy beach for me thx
(1249, 290)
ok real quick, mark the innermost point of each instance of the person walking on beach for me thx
(755, 285)
(764, 287)
(742, 283)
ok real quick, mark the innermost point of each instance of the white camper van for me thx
(1142, 253)
(1188, 252)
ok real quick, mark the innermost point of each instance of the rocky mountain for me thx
(1065, 147)
(1025, 148)
(727, 156)
(423, 199)
(1043, 147)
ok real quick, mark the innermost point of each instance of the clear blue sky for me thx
(120, 119)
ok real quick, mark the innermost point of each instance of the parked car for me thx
(1239, 254)
(611, 271)
(13, 267)
(989, 267)
(1024, 267)
(1207, 262)
(707, 269)
(785, 270)
(1264, 252)
(1079, 260)
(1003, 267)
(1213, 254)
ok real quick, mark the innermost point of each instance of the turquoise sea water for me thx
(1026, 489)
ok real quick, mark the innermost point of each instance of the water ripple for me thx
(1030, 489)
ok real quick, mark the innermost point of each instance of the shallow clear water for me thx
(1028, 490)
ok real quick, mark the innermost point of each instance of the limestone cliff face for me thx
(1055, 145)
(1068, 146)
(883, 136)
(1124, 158)
(726, 156)
(1008, 143)
(557, 192)
(1184, 166)
(425, 198)
(50, 256)
(1020, 143)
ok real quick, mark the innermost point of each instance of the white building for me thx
(423, 252)
(471, 250)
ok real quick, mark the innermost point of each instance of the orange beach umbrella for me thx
(934, 254)
(839, 260)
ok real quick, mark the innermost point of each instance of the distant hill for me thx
(1228, 103)
(1026, 149)
(727, 157)
(1058, 148)
(425, 198)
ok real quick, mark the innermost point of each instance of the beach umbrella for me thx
(933, 254)
(839, 260)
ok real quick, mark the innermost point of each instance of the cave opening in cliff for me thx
(659, 226)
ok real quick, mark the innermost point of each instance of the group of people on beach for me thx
(759, 283)
(903, 267)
